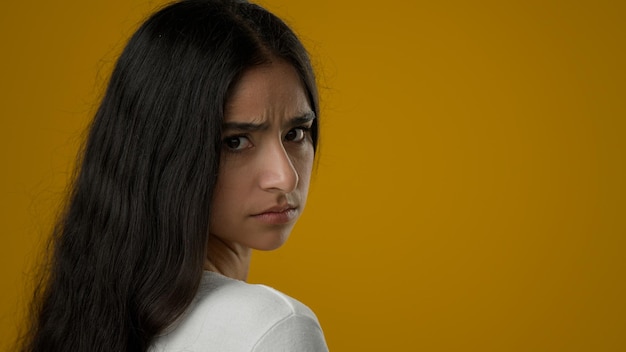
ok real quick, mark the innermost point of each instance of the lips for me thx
(278, 214)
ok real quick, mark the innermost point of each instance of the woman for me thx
(200, 151)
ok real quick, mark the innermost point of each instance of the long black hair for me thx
(128, 252)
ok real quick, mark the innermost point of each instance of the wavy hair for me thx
(127, 253)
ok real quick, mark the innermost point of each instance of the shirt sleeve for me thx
(296, 333)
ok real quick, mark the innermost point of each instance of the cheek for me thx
(233, 174)
(225, 192)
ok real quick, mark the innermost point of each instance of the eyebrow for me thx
(251, 127)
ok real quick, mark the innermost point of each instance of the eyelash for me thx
(232, 138)
(305, 131)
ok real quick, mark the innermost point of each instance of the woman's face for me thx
(266, 159)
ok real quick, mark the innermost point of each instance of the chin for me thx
(272, 242)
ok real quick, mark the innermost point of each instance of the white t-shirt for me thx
(231, 315)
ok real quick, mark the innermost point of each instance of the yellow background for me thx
(470, 193)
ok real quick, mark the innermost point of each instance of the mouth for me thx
(276, 215)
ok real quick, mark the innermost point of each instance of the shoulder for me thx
(235, 316)
(255, 301)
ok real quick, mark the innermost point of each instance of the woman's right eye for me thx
(237, 143)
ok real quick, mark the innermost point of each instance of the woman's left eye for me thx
(296, 134)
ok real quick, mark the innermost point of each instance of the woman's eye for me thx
(296, 134)
(237, 143)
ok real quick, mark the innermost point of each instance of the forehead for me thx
(267, 90)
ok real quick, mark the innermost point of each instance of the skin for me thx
(265, 167)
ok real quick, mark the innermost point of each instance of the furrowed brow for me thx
(244, 126)
(253, 127)
(302, 119)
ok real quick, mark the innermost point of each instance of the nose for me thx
(277, 170)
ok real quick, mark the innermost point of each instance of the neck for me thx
(227, 258)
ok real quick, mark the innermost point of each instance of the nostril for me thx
(279, 173)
